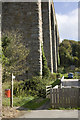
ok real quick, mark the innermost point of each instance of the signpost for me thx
(11, 98)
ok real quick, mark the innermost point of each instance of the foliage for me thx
(14, 54)
(53, 77)
(29, 102)
(77, 69)
(69, 53)
(56, 82)
(20, 89)
(61, 70)
(58, 75)
(34, 86)
(45, 69)
(6, 85)
(58, 59)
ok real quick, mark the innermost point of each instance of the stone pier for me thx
(37, 23)
(55, 38)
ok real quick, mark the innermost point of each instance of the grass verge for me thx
(29, 102)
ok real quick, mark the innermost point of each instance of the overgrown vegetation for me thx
(56, 82)
(69, 53)
(45, 69)
(29, 102)
(22, 98)
(14, 61)
(34, 86)
(14, 55)
(69, 58)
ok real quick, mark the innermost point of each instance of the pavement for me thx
(51, 114)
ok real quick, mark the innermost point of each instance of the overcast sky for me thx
(67, 18)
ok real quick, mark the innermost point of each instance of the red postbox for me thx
(7, 93)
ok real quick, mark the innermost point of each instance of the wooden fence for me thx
(48, 88)
(48, 91)
(65, 97)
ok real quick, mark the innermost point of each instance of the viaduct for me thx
(37, 23)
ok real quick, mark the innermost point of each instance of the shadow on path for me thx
(27, 106)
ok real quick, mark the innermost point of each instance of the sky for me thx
(67, 19)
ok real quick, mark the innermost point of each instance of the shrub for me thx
(14, 55)
(59, 75)
(60, 69)
(34, 86)
(53, 77)
(45, 69)
(19, 89)
(56, 82)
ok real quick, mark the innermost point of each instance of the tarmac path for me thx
(72, 114)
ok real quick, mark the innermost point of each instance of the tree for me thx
(14, 54)
(69, 53)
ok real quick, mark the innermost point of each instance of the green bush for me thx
(34, 86)
(53, 77)
(58, 75)
(61, 70)
(14, 54)
(19, 89)
(56, 82)
(45, 69)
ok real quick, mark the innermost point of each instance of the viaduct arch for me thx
(38, 25)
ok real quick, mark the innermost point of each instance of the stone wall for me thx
(50, 35)
(25, 17)
(50, 31)
(46, 33)
(54, 38)
(36, 21)
(37, 24)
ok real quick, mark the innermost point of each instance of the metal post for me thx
(11, 98)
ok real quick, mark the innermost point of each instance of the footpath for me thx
(68, 114)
